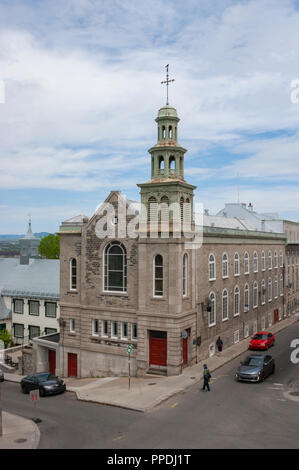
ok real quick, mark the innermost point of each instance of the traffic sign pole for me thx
(129, 350)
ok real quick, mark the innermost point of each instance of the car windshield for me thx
(253, 361)
(260, 336)
(45, 377)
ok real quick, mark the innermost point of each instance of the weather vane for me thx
(167, 81)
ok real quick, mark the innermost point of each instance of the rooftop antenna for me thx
(166, 82)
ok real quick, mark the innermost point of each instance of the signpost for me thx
(129, 350)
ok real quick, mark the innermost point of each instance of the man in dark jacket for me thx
(206, 377)
(219, 344)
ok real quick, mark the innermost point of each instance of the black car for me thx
(48, 384)
(1, 376)
(255, 368)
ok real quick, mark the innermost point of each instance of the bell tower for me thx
(167, 186)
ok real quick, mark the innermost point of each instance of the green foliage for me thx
(5, 337)
(49, 247)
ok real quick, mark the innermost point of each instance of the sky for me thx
(80, 88)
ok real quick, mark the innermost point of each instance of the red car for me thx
(262, 340)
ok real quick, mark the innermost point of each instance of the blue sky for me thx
(82, 90)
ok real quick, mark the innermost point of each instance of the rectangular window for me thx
(236, 336)
(95, 327)
(18, 305)
(50, 309)
(33, 307)
(34, 331)
(114, 329)
(254, 327)
(72, 326)
(18, 330)
(134, 331)
(105, 328)
(124, 330)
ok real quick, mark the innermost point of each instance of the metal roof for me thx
(40, 278)
(5, 313)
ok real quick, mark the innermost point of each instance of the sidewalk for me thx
(18, 433)
(151, 390)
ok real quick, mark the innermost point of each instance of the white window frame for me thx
(225, 296)
(263, 257)
(263, 294)
(281, 259)
(212, 267)
(275, 260)
(73, 276)
(246, 294)
(213, 308)
(281, 285)
(236, 264)
(255, 262)
(255, 293)
(275, 287)
(106, 255)
(225, 266)
(103, 327)
(236, 288)
(158, 296)
(236, 336)
(270, 286)
(185, 274)
(246, 263)
(269, 260)
(72, 325)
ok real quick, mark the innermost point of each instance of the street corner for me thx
(18, 432)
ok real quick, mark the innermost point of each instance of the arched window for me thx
(224, 305)
(172, 164)
(263, 292)
(212, 267)
(255, 294)
(281, 259)
(237, 264)
(185, 275)
(246, 298)
(275, 287)
(170, 132)
(246, 263)
(263, 261)
(163, 132)
(270, 289)
(161, 163)
(164, 209)
(212, 313)
(275, 259)
(269, 259)
(158, 276)
(224, 265)
(115, 267)
(281, 284)
(255, 262)
(73, 274)
(236, 301)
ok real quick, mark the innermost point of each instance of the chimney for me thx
(250, 207)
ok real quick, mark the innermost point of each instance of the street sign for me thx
(129, 348)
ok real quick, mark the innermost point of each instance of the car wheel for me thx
(262, 379)
(23, 389)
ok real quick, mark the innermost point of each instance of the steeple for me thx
(28, 246)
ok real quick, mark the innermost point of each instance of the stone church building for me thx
(134, 274)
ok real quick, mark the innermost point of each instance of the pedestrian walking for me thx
(219, 344)
(206, 378)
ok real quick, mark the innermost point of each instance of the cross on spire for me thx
(167, 81)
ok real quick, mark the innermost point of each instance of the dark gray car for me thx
(255, 368)
(1, 376)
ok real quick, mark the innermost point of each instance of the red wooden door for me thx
(185, 350)
(52, 361)
(72, 364)
(158, 348)
(276, 315)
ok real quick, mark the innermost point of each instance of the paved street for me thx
(232, 415)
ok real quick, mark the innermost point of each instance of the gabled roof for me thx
(39, 279)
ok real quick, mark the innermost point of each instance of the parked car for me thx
(48, 384)
(255, 368)
(262, 340)
(1, 376)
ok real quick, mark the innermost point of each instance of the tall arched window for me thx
(255, 294)
(73, 274)
(275, 259)
(246, 263)
(255, 262)
(170, 132)
(224, 265)
(281, 259)
(270, 289)
(275, 287)
(236, 301)
(212, 267)
(246, 298)
(263, 292)
(269, 259)
(158, 276)
(237, 264)
(281, 284)
(185, 275)
(263, 261)
(152, 209)
(115, 267)
(224, 305)
(212, 313)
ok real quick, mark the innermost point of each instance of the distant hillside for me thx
(18, 236)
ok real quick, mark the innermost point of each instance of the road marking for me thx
(118, 438)
(174, 405)
(280, 399)
(278, 384)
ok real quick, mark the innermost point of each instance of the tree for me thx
(49, 247)
(5, 337)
